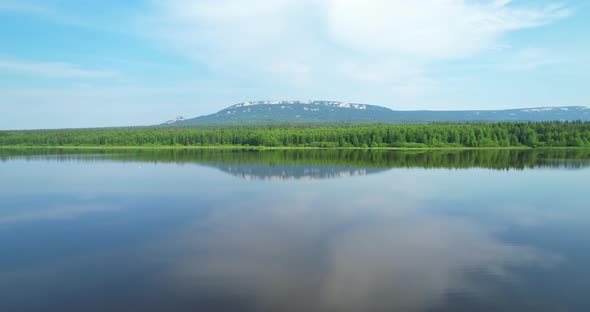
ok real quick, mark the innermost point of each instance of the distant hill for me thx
(332, 112)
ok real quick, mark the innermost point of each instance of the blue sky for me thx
(113, 63)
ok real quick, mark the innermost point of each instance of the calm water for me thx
(294, 231)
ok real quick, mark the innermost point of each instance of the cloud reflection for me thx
(55, 213)
(348, 253)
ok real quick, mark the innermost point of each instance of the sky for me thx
(70, 63)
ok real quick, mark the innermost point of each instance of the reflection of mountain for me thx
(317, 164)
(291, 172)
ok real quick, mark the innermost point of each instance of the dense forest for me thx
(541, 134)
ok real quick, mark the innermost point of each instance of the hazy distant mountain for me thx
(331, 112)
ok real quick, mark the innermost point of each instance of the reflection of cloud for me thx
(308, 254)
(55, 213)
(412, 263)
(528, 215)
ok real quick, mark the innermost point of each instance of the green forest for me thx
(539, 134)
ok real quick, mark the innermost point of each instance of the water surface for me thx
(207, 230)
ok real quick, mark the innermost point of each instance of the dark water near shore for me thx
(221, 230)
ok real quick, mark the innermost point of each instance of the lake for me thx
(224, 230)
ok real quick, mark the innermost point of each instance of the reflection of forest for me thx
(332, 160)
(253, 171)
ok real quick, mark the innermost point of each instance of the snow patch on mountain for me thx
(538, 109)
(284, 104)
(175, 120)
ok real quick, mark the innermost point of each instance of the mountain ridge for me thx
(292, 112)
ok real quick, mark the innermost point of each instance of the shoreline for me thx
(259, 148)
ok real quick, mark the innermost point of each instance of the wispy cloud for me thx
(88, 16)
(22, 7)
(532, 58)
(431, 29)
(54, 70)
(376, 41)
(296, 73)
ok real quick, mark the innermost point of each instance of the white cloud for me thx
(438, 29)
(296, 73)
(414, 87)
(384, 71)
(315, 43)
(54, 70)
(221, 28)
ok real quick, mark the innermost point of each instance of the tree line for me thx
(534, 134)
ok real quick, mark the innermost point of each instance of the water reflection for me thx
(278, 172)
(320, 164)
(362, 255)
(147, 231)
